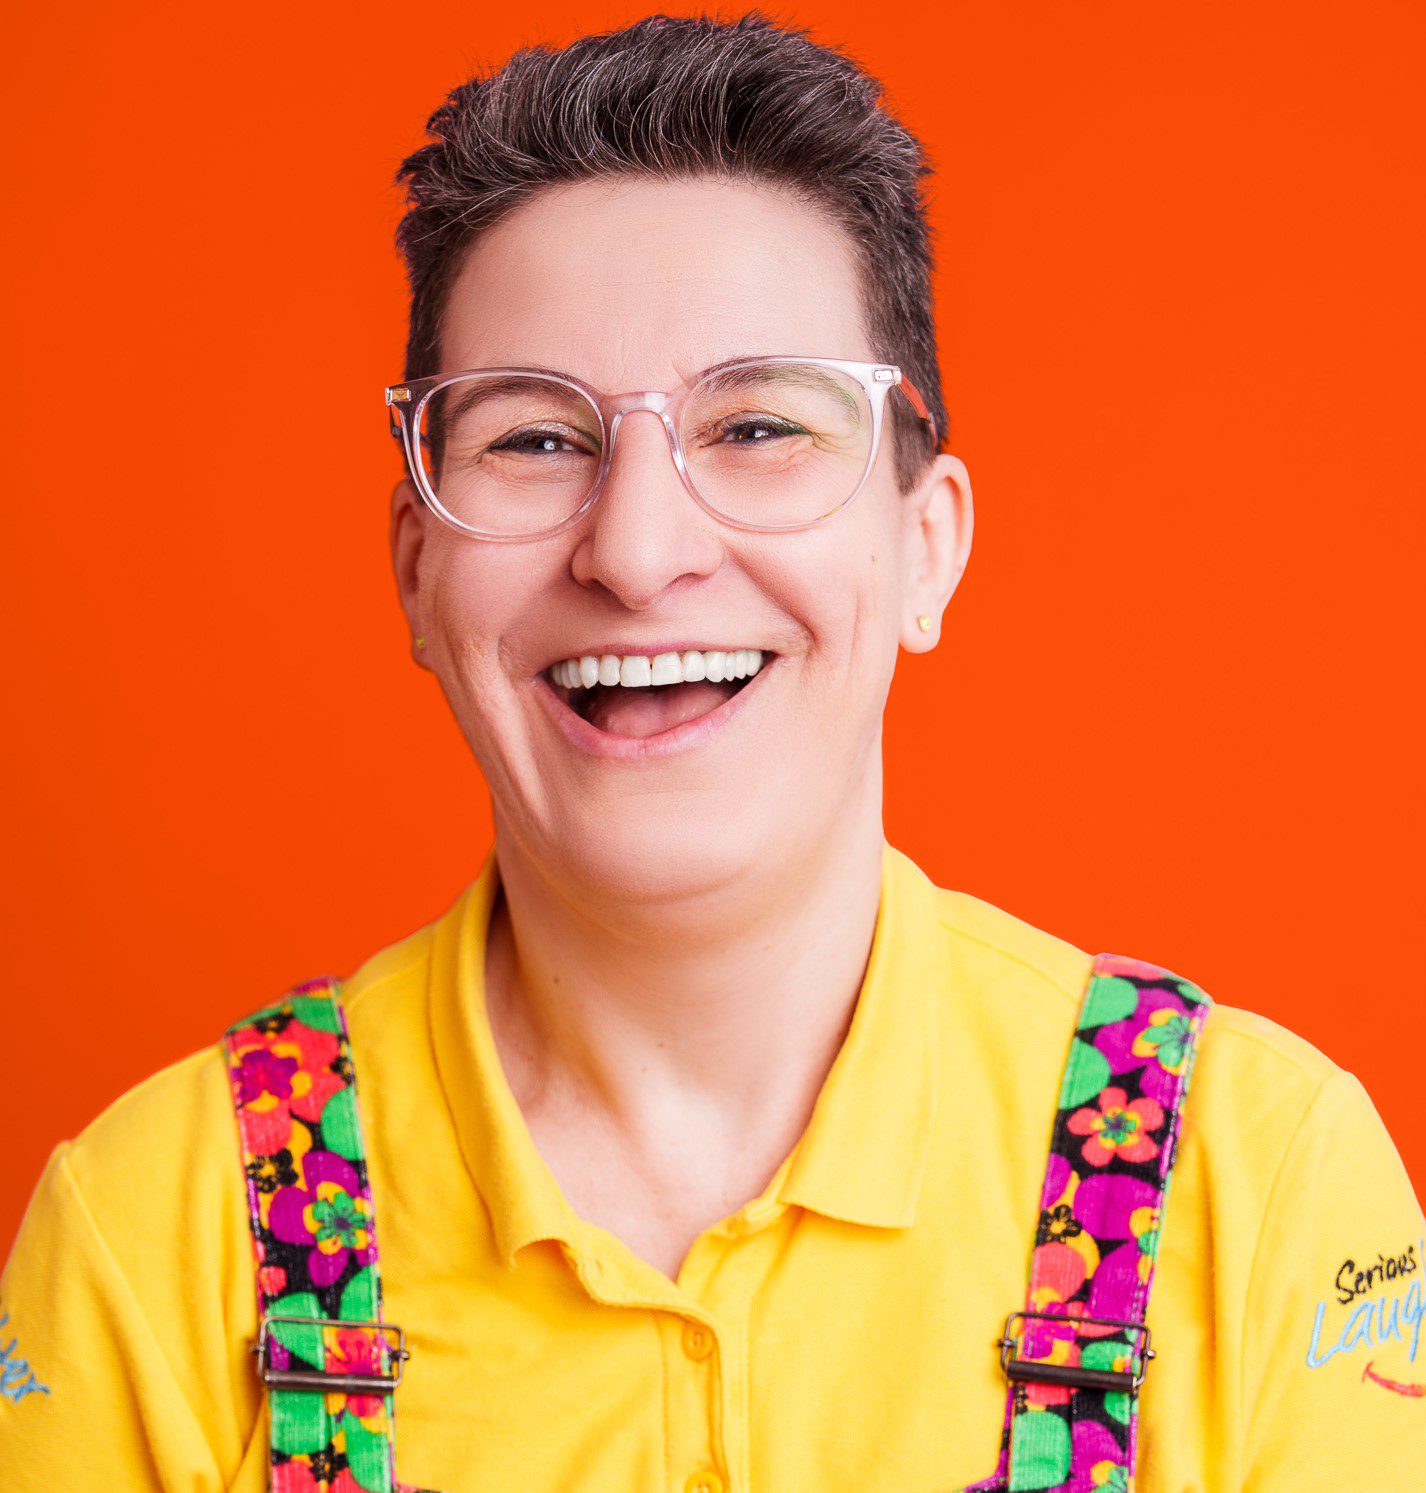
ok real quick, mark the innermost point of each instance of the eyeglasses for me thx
(770, 443)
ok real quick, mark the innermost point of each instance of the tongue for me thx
(644, 712)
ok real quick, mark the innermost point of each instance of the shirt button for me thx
(697, 1343)
(705, 1482)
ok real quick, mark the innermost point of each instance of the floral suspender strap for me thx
(1076, 1354)
(328, 1360)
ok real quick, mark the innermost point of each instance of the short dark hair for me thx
(746, 99)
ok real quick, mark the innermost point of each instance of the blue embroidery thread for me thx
(1373, 1322)
(17, 1378)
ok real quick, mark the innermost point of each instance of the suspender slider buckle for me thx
(1073, 1375)
(375, 1360)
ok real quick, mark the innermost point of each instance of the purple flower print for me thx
(1109, 1209)
(1057, 1178)
(261, 1072)
(331, 1212)
(1106, 1205)
(1098, 1462)
(1155, 1038)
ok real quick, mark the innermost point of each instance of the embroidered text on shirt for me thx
(1353, 1281)
(1373, 1323)
(17, 1378)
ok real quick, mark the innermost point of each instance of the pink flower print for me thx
(331, 1212)
(271, 1279)
(283, 1073)
(1056, 1273)
(1119, 1127)
(1058, 1335)
(355, 1350)
(314, 1474)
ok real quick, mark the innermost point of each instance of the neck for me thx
(716, 1014)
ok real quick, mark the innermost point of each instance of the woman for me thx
(705, 1137)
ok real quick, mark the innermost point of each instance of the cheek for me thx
(851, 596)
(476, 595)
(468, 605)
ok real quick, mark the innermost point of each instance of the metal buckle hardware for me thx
(1031, 1371)
(397, 1352)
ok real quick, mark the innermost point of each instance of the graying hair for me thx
(679, 98)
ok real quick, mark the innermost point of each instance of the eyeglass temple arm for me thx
(913, 394)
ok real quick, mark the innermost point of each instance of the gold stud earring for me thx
(420, 641)
(924, 622)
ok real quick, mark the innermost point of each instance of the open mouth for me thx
(636, 706)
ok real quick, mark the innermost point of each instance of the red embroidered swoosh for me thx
(1416, 1391)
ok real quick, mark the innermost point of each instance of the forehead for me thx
(637, 284)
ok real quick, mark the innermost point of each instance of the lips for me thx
(649, 722)
(645, 712)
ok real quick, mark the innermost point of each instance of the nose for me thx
(644, 533)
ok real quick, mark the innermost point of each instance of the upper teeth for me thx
(637, 669)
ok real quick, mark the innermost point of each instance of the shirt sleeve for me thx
(88, 1398)
(1334, 1370)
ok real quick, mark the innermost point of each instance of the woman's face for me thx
(637, 285)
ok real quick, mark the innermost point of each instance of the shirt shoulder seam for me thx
(1309, 1110)
(402, 970)
(210, 1053)
(91, 1223)
(1026, 964)
(1307, 1068)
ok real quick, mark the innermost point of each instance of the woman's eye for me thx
(751, 431)
(537, 443)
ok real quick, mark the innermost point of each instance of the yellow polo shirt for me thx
(834, 1334)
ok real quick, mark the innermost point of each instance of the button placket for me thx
(693, 1370)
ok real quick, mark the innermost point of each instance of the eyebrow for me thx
(721, 376)
(524, 371)
(730, 373)
(477, 391)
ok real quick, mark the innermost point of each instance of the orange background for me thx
(1181, 309)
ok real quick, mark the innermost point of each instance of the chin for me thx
(664, 848)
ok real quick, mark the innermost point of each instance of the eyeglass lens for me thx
(771, 444)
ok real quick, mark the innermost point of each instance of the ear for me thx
(939, 518)
(408, 535)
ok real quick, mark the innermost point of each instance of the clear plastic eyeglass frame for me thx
(406, 402)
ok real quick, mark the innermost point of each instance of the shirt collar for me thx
(523, 1198)
(862, 1156)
